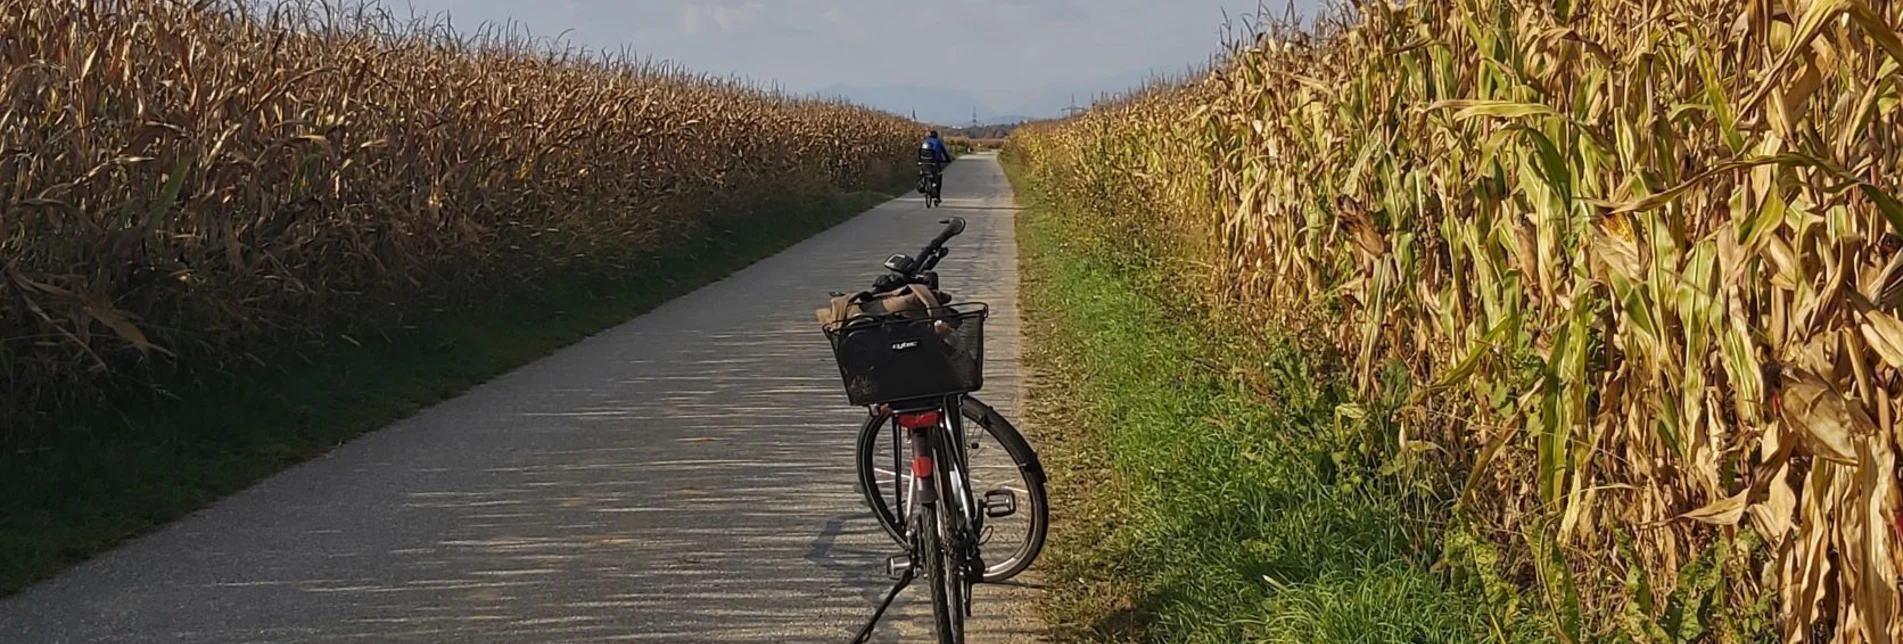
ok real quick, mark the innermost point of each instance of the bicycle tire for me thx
(948, 621)
(1001, 430)
(952, 533)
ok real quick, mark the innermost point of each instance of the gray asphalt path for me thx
(683, 477)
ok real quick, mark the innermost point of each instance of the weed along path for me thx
(684, 477)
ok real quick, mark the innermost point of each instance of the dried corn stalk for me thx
(195, 176)
(1641, 258)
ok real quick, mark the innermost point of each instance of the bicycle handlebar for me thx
(927, 259)
(929, 255)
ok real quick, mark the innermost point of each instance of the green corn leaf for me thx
(1891, 208)
(1471, 109)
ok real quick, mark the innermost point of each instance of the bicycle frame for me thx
(947, 427)
(934, 467)
(939, 460)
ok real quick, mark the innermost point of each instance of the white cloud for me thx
(721, 18)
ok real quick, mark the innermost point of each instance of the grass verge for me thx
(1204, 490)
(140, 461)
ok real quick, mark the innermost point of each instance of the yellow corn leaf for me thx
(1816, 16)
(1309, 82)
(1674, 192)
(1486, 457)
(1809, 561)
(120, 322)
(1826, 424)
(1874, 523)
(1891, 208)
(1878, 30)
(1725, 511)
(1885, 334)
(1773, 516)
(1858, 125)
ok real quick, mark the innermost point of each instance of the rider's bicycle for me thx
(931, 180)
(914, 371)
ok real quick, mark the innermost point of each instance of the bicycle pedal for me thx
(897, 566)
(1000, 504)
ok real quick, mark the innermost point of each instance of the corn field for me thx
(195, 178)
(1636, 261)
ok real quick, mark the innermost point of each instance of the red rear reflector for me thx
(919, 420)
(921, 467)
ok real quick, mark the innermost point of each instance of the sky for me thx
(1003, 52)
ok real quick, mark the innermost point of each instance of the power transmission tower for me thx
(974, 118)
(1073, 109)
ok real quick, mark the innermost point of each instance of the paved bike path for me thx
(683, 477)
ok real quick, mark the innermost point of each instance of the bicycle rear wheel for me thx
(951, 587)
(1011, 543)
(948, 622)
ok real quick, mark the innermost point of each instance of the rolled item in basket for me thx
(914, 299)
(963, 365)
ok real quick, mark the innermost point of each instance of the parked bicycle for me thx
(912, 358)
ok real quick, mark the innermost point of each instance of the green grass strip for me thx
(1194, 508)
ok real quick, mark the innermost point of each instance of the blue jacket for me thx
(939, 153)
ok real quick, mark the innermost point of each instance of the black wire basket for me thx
(911, 356)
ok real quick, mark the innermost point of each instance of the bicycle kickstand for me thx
(865, 634)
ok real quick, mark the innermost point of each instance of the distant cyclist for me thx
(933, 150)
(932, 157)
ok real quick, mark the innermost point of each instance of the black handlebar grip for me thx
(953, 227)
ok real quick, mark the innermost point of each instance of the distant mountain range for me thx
(954, 107)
